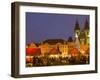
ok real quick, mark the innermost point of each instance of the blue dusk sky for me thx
(42, 26)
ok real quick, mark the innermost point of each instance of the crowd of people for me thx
(53, 61)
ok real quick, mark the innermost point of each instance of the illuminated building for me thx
(71, 45)
(44, 48)
(59, 44)
(64, 49)
(83, 34)
(83, 37)
(86, 30)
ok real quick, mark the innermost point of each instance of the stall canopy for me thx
(33, 51)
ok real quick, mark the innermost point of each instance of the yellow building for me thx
(59, 44)
(45, 48)
(64, 50)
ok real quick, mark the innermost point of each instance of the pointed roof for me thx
(86, 25)
(77, 26)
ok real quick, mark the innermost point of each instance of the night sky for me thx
(42, 26)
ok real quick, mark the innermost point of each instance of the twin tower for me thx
(82, 34)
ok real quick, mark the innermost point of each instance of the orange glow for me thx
(29, 59)
(33, 51)
(74, 51)
(84, 48)
(53, 51)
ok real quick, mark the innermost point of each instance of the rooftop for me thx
(54, 41)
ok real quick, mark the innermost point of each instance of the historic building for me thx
(45, 48)
(59, 45)
(83, 35)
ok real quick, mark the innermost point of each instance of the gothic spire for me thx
(77, 26)
(86, 25)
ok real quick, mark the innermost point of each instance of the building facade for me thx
(58, 44)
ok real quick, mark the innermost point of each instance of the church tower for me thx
(77, 42)
(86, 30)
(82, 38)
(77, 29)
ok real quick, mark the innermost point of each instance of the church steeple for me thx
(86, 26)
(86, 30)
(77, 26)
(77, 29)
